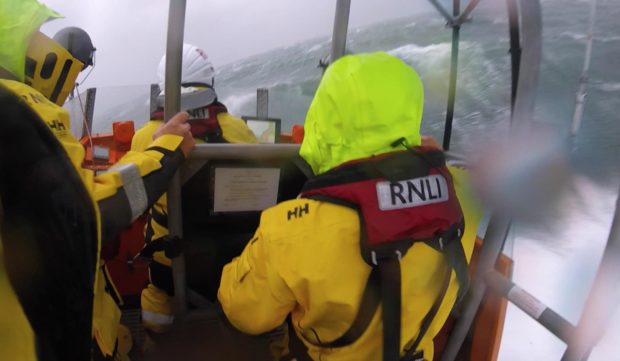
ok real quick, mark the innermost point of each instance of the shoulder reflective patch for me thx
(134, 188)
(412, 192)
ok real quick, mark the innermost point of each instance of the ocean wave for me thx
(431, 52)
(239, 104)
(318, 46)
(573, 35)
(583, 37)
(606, 39)
(608, 87)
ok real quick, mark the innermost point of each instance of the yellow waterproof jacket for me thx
(16, 337)
(121, 194)
(311, 267)
(234, 130)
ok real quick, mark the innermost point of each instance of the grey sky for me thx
(130, 35)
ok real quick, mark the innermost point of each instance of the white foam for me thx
(236, 103)
(606, 39)
(415, 52)
(575, 36)
(558, 268)
(315, 47)
(608, 87)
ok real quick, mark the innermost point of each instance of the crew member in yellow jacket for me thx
(209, 122)
(305, 260)
(55, 214)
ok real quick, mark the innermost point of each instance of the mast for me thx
(582, 91)
(341, 25)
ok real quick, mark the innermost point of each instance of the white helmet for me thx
(195, 68)
(197, 78)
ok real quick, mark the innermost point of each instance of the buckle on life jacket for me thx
(373, 256)
(418, 356)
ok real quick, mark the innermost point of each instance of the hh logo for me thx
(412, 192)
(56, 125)
(298, 212)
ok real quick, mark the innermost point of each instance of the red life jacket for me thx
(402, 198)
(207, 129)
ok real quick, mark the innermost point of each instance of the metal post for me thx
(456, 30)
(583, 80)
(531, 31)
(496, 234)
(341, 25)
(172, 105)
(515, 48)
(603, 299)
(155, 90)
(89, 110)
(262, 103)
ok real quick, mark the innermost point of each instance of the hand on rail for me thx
(177, 125)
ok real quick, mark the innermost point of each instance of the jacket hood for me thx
(364, 104)
(19, 19)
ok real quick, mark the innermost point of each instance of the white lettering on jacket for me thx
(412, 192)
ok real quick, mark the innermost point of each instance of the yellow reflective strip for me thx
(157, 318)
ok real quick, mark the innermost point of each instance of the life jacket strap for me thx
(172, 247)
(390, 280)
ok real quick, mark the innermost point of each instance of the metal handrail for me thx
(243, 151)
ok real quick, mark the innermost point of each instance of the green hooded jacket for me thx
(19, 19)
(363, 105)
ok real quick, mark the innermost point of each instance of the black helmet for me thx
(78, 43)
